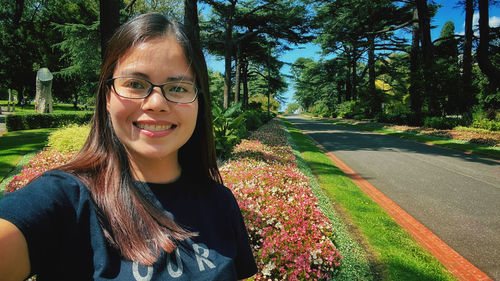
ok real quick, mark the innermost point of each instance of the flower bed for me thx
(41, 162)
(291, 238)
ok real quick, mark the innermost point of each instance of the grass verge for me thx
(399, 255)
(13, 145)
(355, 265)
(488, 151)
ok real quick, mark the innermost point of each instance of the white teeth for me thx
(153, 127)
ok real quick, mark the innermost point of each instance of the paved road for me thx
(456, 196)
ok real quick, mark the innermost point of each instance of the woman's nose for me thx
(156, 101)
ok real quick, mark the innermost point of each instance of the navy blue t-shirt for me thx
(65, 241)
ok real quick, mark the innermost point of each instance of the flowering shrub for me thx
(290, 236)
(41, 162)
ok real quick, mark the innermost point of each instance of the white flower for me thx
(266, 271)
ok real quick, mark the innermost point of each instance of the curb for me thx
(451, 260)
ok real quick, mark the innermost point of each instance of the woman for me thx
(144, 199)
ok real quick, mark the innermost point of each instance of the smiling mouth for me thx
(154, 127)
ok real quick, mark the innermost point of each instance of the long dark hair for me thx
(133, 224)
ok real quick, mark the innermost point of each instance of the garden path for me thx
(452, 194)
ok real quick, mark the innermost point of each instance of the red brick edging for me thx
(454, 262)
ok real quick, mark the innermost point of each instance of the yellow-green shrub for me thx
(69, 138)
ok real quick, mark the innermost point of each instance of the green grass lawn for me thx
(398, 255)
(14, 145)
(58, 108)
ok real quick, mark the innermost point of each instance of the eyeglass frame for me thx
(111, 82)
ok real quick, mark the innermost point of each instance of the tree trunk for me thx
(237, 75)
(425, 30)
(228, 50)
(18, 14)
(244, 78)
(109, 11)
(354, 75)
(376, 103)
(415, 93)
(348, 80)
(468, 96)
(483, 50)
(191, 20)
(193, 32)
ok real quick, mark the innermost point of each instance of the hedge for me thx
(16, 122)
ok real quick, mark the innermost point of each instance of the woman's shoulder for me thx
(54, 186)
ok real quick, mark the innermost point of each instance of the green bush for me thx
(347, 109)
(483, 123)
(69, 139)
(16, 122)
(320, 109)
(254, 119)
(229, 128)
(443, 122)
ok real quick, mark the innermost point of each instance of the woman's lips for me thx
(154, 129)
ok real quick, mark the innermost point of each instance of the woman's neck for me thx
(156, 170)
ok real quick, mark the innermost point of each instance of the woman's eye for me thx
(135, 85)
(177, 89)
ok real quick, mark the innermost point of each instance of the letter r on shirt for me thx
(202, 253)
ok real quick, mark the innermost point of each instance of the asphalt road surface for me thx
(455, 195)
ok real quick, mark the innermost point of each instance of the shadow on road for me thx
(343, 138)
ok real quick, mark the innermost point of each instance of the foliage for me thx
(292, 107)
(216, 87)
(443, 122)
(16, 122)
(229, 128)
(483, 123)
(396, 112)
(27, 37)
(347, 109)
(321, 109)
(290, 237)
(275, 105)
(68, 139)
(81, 48)
(173, 9)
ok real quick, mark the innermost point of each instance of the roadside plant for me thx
(291, 238)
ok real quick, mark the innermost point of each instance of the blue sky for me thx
(448, 12)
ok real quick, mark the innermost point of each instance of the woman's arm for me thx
(14, 257)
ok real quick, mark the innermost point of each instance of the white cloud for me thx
(494, 21)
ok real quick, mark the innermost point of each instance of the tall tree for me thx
(428, 57)
(485, 64)
(278, 20)
(448, 87)
(109, 11)
(415, 88)
(467, 96)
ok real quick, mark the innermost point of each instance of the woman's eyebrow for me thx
(134, 73)
(180, 78)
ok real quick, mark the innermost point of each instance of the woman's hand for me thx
(14, 257)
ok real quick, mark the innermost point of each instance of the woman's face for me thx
(153, 129)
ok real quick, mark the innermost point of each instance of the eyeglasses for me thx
(138, 88)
